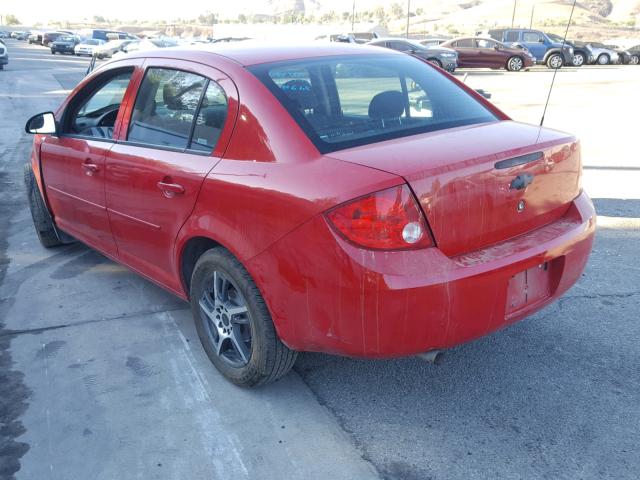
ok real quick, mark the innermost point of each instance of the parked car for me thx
(445, 58)
(477, 52)
(35, 37)
(87, 46)
(65, 44)
(20, 35)
(301, 202)
(107, 49)
(545, 50)
(105, 34)
(4, 55)
(146, 44)
(434, 41)
(582, 54)
(626, 56)
(49, 37)
(5, 34)
(602, 54)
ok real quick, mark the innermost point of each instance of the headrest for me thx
(171, 95)
(385, 105)
(300, 92)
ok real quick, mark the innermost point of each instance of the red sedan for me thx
(477, 52)
(337, 199)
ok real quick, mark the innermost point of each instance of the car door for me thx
(489, 55)
(73, 161)
(175, 133)
(535, 44)
(466, 52)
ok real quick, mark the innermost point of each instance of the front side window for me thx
(96, 113)
(531, 37)
(347, 101)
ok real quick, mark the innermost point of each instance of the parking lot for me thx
(103, 377)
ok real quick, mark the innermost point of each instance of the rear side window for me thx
(511, 37)
(165, 108)
(465, 43)
(210, 120)
(178, 109)
(341, 102)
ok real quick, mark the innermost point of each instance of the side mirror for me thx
(496, 47)
(42, 123)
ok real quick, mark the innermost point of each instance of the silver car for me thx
(446, 58)
(602, 54)
(4, 55)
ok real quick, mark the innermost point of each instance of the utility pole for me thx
(353, 14)
(513, 17)
(533, 7)
(408, 12)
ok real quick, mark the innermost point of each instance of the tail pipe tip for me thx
(432, 356)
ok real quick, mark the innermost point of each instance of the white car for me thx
(107, 50)
(87, 46)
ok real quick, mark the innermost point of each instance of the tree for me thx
(396, 10)
(12, 20)
(208, 19)
(242, 18)
(99, 19)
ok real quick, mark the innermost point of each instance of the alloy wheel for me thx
(515, 64)
(227, 322)
(555, 61)
(603, 59)
(578, 60)
(634, 60)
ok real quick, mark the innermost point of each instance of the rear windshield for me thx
(346, 101)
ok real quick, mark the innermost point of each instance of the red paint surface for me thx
(264, 192)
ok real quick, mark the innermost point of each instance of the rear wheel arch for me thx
(189, 254)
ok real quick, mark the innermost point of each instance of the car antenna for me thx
(555, 71)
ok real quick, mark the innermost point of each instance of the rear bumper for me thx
(364, 303)
(4, 60)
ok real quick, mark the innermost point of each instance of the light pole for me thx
(533, 7)
(353, 14)
(408, 12)
(513, 17)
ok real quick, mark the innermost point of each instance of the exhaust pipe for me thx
(432, 356)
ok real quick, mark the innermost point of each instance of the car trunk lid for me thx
(483, 184)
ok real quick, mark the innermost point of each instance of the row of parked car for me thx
(513, 49)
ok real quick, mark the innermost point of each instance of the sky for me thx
(32, 11)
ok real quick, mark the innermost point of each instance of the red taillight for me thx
(387, 220)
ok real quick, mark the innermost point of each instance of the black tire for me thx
(269, 359)
(579, 59)
(39, 213)
(53, 52)
(435, 61)
(515, 64)
(634, 59)
(555, 61)
(603, 59)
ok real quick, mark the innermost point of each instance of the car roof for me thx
(250, 52)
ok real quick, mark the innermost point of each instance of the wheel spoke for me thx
(237, 311)
(207, 306)
(239, 345)
(221, 286)
(217, 344)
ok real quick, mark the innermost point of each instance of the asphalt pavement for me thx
(102, 375)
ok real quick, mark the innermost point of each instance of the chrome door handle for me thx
(90, 168)
(170, 189)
